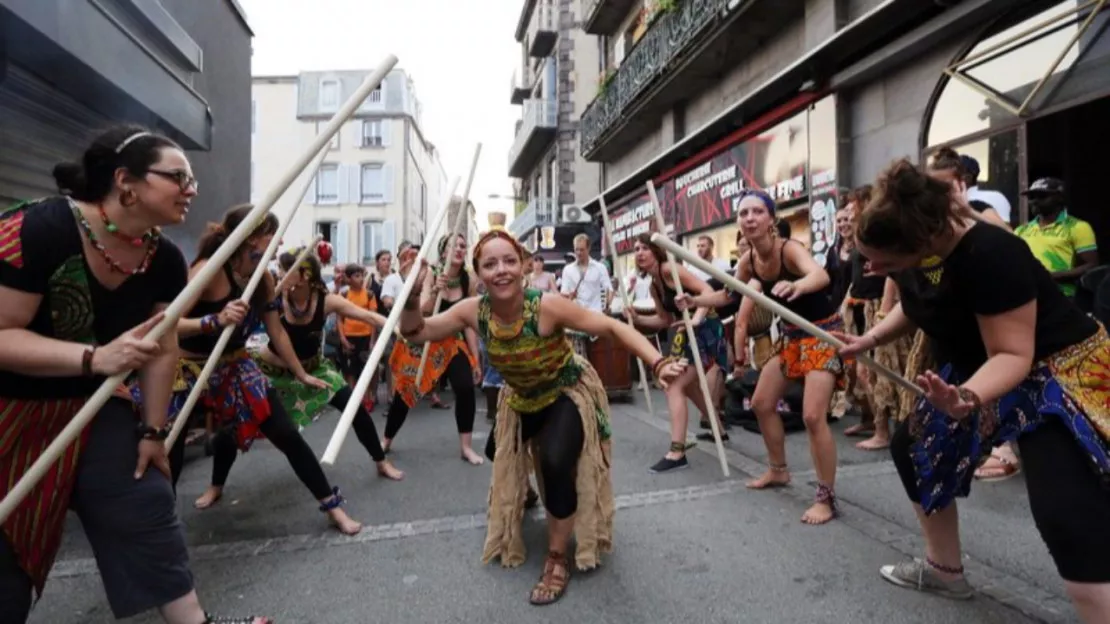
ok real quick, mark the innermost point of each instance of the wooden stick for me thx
(691, 335)
(72, 431)
(460, 222)
(625, 299)
(225, 336)
(348, 416)
(789, 315)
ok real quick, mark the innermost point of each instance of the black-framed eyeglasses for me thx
(183, 180)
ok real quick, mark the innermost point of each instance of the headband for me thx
(129, 140)
(762, 195)
(492, 234)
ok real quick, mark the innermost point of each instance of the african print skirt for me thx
(304, 403)
(882, 395)
(405, 360)
(711, 343)
(235, 395)
(514, 461)
(1072, 386)
(800, 354)
(35, 527)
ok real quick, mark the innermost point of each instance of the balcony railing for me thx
(668, 38)
(540, 212)
(536, 132)
(603, 17)
(543, 31)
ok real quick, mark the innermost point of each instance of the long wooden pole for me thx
(460, 222)
(225, 336)
(344, 425)
(72, 431)
(625, 299)
(757, 297)
(691, 335)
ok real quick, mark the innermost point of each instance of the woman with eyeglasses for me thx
(83, 278)
(783, 269)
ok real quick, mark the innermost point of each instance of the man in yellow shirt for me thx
(1065, 245)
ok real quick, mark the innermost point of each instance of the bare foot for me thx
(343, 522)
(874, 443)
(469, 455)
(210, 497)
(819, 513)
(859, 430)
(388, 471)
(774, 477)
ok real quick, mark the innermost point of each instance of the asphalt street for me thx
(692, 545)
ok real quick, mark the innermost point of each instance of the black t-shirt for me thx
(990, 271)
(863, 286)
(41, 252)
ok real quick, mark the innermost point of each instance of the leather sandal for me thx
(551, 581)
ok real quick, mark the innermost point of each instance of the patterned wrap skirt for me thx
(1072, 386)
(303, 403)
(711, 343)
(800, 354)
(404, 362)
(35, 527)
(235, 396)
(882, 395)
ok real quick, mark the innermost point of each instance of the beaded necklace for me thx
(113, 229)
(86, 227)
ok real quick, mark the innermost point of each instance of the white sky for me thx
(460, 59)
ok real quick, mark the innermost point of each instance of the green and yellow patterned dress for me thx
(537, 370)
(304, 403)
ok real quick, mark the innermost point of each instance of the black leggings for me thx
(461, 377)
(282, 432)
(560, 439)
(225, 450)
(1070, 505)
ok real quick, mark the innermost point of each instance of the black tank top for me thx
(464, 285)
(205, 343)
(307, 338)
(814, 306)
(667, 294)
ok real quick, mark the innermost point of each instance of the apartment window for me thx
(376, 235)
(329, 95)
(375, 96)
(334, 145)
(373, 133)
(327, 184)
(329, 230)
(373, 184)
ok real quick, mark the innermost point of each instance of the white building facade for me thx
(382, 179)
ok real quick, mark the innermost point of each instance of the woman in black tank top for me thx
(303, 306)
(238, 396)
(454, 358)
(786, 272)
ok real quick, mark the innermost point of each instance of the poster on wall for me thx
(775, 161)
(822, 215)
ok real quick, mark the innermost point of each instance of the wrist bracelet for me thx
(209, 323)
(146, 432)
(969, 395)
(86, 361)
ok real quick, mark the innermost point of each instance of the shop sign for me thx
(635, 218)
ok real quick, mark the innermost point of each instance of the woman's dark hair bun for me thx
(70, 178)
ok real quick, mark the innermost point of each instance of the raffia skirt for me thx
(514, 461)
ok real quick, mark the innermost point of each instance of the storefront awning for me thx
(803, 81)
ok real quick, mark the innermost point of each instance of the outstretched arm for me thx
(418, 329)
(564, 313)
(337, 304)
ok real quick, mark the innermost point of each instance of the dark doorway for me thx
(1072, 145)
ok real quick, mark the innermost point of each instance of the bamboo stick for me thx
(72, 431)
(791, 316)
(625, 299)
(460, 222)
(691, 335)
(344, 425)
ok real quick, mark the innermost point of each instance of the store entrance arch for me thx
(1028, 98)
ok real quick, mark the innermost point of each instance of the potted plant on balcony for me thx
(604, 80)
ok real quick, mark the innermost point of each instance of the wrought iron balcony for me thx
(683, 52)
(540, 212)
(535, 135)
(543, 29)
(603, 17)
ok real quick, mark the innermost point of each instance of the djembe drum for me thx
(759, 330)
